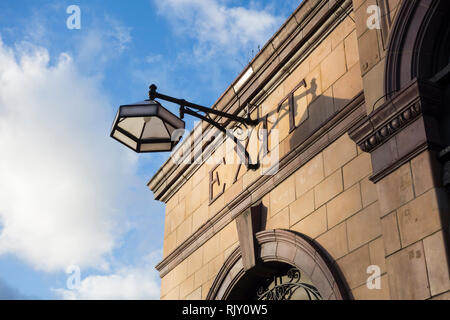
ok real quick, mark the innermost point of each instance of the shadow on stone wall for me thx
(308, 117)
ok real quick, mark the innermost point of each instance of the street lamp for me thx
(146, 127)
(149, 127)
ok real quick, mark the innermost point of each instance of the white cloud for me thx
(63, 181)
(119, 32)
(153, 58)
(132, 283)
(97, 46)
(140, 282)
(219, 28)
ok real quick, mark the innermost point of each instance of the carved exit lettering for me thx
(259, 148)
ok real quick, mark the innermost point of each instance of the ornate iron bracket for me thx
(193, 109)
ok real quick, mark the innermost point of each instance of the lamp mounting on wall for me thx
(148, 127)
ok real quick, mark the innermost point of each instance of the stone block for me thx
(354, 266)
(361, 15)
(357, 169)
(195, 261)
(228, 236)
(419, 218)
(369, 52)
(368, 192)
(338, 154)
(214, 266)
(184, 230)
(395, 190)
(313, 225)
(319, 54)
(363, 226)
(321, 109)
(279, 221)
(333, 67)
(334, 241)
(352, 52)
(344, 205)
(309, 175)
(347, 87)
(199, 217)
(408, 274)
(177, 215)
(389, 227)
(169, 244)
(171, 203)
(197, 196)
(313, 84)
(186, 287)
(201, 276)
(422, 173)
(195, 295)
(437, 265)
(179, 273)
(211, 248)
(232, 189)
(328, 189)
(301, 207)
(167, 284)
(185, 189)
(299, 73)
(342, 31)
(200, 174)
(173, 295)
(444, 296)
(282, 195)
(374, 86)
(364, 293)
(377, 253)
(300, 106)
(206, 287)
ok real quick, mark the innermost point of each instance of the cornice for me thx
(396, 113)
(418, 101)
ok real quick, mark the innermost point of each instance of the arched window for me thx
(419, 49)
(418, 45)
(275, 281)
(289, 267)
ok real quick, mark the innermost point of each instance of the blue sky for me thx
(71, 197)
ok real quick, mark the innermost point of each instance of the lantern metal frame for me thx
(193, 109)
(143, 109)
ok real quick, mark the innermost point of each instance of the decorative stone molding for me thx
(389, 129)
(288, 247)
(248, 223)
(401, 128)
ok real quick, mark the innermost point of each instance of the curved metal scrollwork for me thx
(275, 289)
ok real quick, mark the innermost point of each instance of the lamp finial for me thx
(152, 91)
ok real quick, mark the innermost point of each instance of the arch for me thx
(416, 49)
(287, 247)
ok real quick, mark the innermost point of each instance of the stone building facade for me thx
(355, 102)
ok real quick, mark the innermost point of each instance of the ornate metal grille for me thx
(287, 286)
